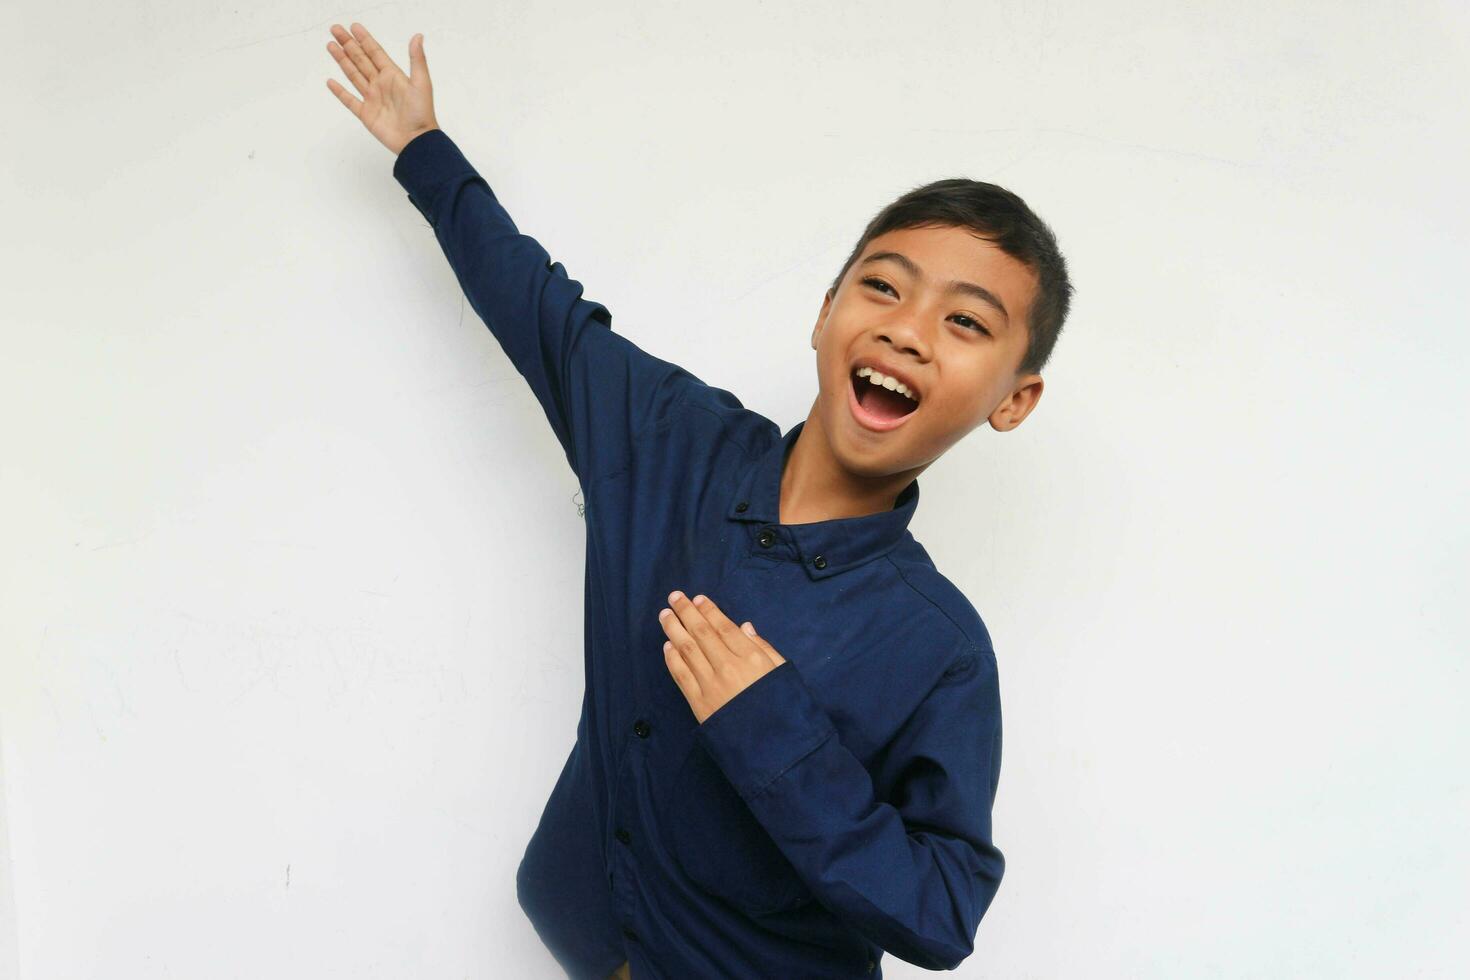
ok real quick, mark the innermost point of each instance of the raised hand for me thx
(394, 107)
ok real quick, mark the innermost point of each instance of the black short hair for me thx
(1002, 217)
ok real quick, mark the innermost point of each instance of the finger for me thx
(710, 641)
(374, 50)
(686, 644)
(733, 636)
(683, 676)
(770, 651)
(351, 66)
(353, 47)
(418, 67)
(346, 97)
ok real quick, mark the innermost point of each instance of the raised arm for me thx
(597, 388)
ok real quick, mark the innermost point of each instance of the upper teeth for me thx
(892, 384)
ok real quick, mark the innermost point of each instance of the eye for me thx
(870, 280)
(978, 326)
(875, 282)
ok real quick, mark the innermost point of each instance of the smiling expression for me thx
(944, 311)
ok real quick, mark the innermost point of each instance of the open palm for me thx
(394, 107)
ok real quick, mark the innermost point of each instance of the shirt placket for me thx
(623, 850)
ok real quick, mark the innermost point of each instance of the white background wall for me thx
(290, 600)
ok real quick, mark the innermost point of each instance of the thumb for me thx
(418, 67)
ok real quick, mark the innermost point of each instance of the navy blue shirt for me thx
(839, 806)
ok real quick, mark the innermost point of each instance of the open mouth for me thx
(877, 406)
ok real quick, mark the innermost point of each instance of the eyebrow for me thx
(953, 286)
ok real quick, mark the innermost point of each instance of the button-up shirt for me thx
(840, 805)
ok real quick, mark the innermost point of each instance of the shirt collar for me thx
(825, 547)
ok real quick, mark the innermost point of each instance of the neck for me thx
(816, 487)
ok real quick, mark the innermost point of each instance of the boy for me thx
(796, 794)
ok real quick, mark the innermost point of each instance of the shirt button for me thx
(640, 728)
(767, 538)
(741, 507)
(622, 835)
(630, 934)
(819, 562)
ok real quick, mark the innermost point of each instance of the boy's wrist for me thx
(413, 135)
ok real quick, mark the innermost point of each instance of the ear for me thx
(1018, 404)
(822, 317)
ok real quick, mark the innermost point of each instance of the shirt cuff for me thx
(765, 729)
(427, 162)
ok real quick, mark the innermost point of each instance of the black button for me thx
(767, 537)
(622, 835)
(819, 561)
(630, 934)
(872, 964)
(640, 728)
(741, 507)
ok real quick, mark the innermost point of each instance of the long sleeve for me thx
(598, 389)
(914, 875)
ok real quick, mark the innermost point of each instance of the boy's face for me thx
(959, 351)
